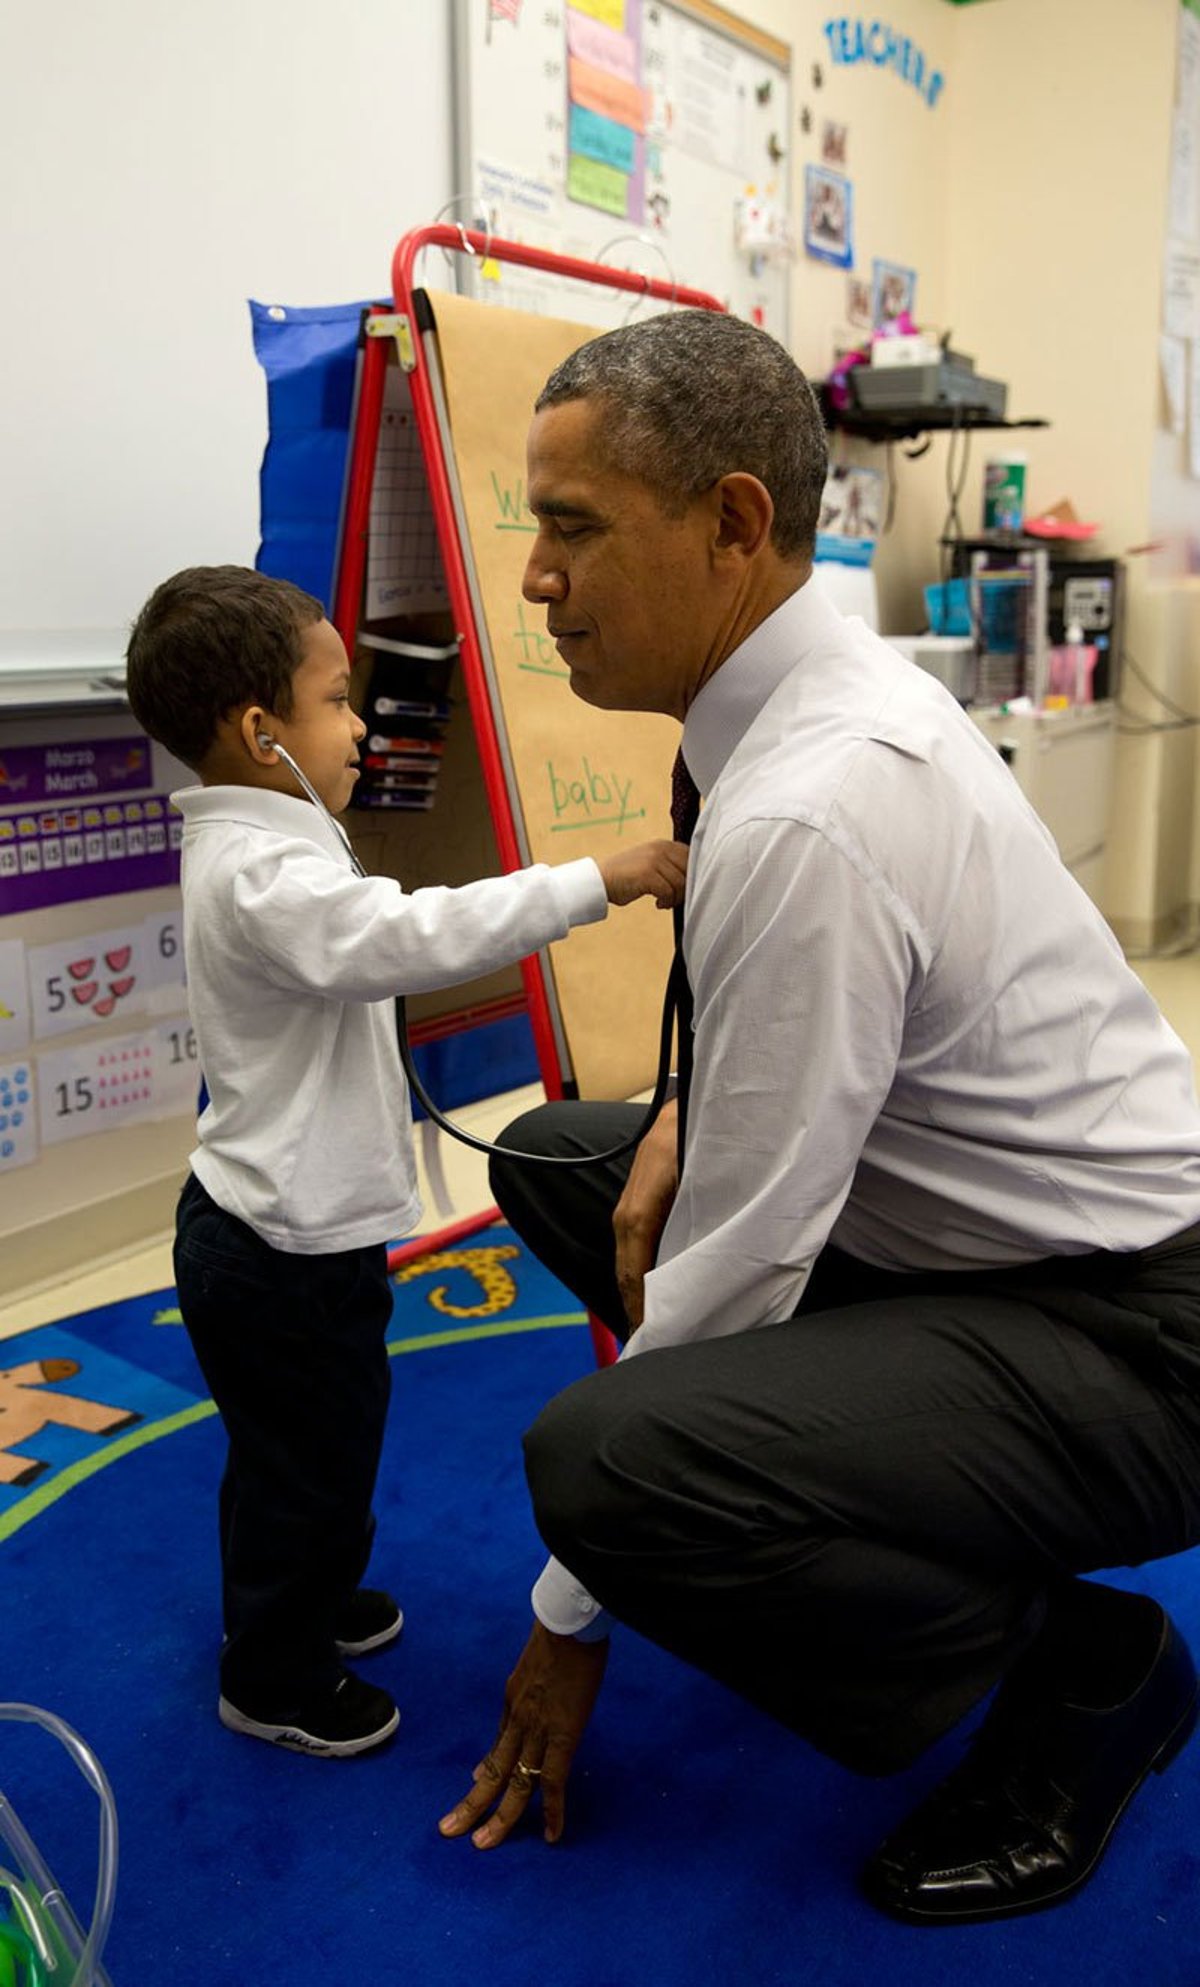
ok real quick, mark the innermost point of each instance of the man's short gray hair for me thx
(695, 395)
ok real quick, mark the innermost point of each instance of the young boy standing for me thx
(304, 1168)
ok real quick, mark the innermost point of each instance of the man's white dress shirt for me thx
(915, 1035)
(293, 962)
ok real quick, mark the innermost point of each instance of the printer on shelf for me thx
(909, 373)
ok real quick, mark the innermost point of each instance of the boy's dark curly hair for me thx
(209, 639)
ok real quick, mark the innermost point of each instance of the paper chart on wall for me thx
(164, 978)
(14, 996)
(1173, 359)
(18, 1116)
(709, 102)
(99, 1086)
(1181, 291)
(1189, 57)
(79, 981)
(1184, 196)
(95, 1087)
(105, 975)
(404, 565)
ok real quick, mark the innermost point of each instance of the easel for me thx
(400, 327)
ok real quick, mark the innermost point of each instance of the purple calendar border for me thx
(58, 775)
(113, 876)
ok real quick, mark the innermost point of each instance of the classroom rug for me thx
(703, 1843)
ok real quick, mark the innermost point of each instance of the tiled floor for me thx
(1174, 982)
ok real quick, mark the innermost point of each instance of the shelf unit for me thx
(899, 424)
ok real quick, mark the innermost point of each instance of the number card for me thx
(14, 997)
(80, 981)
(164, 980)
(18, 1124)
(95, 1087)
(176, 1068)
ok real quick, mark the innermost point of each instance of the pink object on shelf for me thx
(1052, 527)
(1060, 521)
(1070, 670)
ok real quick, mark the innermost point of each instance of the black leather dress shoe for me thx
(1026, 1818)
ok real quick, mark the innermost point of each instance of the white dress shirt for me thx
(915, 1035)
(293, 962)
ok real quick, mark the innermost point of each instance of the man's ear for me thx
(745, 515)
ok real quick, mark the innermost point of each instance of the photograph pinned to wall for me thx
(828, 216)
(893, 291)
(851, 514)
(858, 302)
(834, 140)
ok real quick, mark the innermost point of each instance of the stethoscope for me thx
(670, 1008)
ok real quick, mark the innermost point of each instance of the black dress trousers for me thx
(856, 1517)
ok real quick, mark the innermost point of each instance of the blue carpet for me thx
(703, 1843)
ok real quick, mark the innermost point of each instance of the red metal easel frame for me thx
(382, 325)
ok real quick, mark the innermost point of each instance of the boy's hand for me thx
(652, 869)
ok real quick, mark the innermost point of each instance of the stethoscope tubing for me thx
(464, 1137)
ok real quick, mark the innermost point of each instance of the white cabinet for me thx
(1063, 763)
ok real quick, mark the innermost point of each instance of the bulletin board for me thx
(98, 1062)
(581, 781)
(625, 131)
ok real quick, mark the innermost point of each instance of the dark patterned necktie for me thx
(685, 812)
(685, 800)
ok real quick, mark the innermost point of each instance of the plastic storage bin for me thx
(42, 1943)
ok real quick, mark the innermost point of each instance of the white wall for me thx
(899, 150)
(161, 164)
(1057, 186)
(171, 161)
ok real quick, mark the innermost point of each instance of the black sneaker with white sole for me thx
(349, 1717)
(371, 1620)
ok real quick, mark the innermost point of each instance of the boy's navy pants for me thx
(293, 1350)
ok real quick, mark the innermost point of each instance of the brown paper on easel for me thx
(588, 782)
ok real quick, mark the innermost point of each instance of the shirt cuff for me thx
(566, 1608)
(581, 890)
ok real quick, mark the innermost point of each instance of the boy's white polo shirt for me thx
(293, 963)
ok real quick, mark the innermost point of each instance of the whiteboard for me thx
(547, 107)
